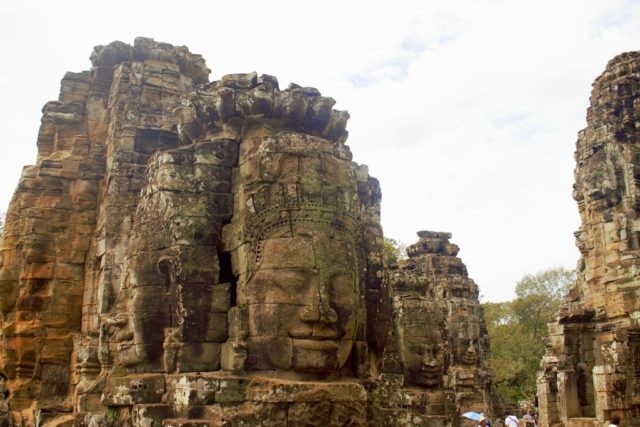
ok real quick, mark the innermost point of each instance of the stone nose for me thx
(322, 313)
(428, 359)
(471, 349)
(319, 310)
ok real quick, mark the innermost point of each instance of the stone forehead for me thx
(330, 228)
(418, 312)
(315, 250)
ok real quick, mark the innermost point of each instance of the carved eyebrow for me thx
(286, 270)
(299, 275)
(336, 272)
(301, 272)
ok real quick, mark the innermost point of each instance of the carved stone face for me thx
(151, 309)
(303, 303)
(424, 362)
(466, 341)
(467, 353)
(176, 312)
(422, 346)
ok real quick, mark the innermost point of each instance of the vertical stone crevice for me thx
(227, 276)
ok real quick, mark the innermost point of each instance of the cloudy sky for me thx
(467, 111)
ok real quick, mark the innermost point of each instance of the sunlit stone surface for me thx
(188, 253)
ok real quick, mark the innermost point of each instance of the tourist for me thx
(615, 421)
(530, 419)
(510, 420)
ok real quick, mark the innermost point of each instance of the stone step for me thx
(247, 414)
(219, 416)
(184, 422)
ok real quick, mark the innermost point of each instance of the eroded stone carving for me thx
(436, 359)
(589, 370)
(304, 238)
(189, 252)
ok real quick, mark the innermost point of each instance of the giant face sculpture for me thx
(466, 339)
(177, 312)
(302, 302)
(172, 314)
(152, 300)
(423, 359)
(422, 346)
(297, 248)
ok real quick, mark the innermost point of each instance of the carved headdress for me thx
(290, 210)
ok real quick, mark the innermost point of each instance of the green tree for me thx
(540, 297)
(517, 328)
(394, 250)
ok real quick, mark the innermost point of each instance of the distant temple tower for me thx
(591, 370)
(438, 352)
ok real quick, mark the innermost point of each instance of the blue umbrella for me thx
(473, 416)
(476, 417)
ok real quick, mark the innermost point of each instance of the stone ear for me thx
(166, 270)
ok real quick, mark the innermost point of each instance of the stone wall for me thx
(187, 252)
(591, 370)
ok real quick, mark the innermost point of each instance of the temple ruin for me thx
(591, 370)
(192, 253)
(436, 362)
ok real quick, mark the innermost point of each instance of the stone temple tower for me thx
(591, 370)
(437, 355)
(196, 253)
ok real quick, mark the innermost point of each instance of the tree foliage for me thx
(394, 250)
(517, 328)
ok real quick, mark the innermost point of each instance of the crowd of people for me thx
(530, 419)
